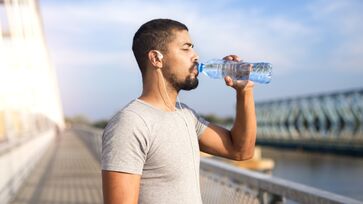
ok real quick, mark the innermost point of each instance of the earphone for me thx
(159, 55)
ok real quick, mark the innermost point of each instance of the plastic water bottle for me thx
(219, 68)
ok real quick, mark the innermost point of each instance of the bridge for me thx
(325, 122)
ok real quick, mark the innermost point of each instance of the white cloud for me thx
(251, 34)
(71, 58)
(328, 36)
(343, 20)
(348, 57)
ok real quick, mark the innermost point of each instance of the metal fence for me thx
(224, 183)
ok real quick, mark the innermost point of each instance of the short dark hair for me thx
(153, 35)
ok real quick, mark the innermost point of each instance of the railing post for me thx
(265, 197)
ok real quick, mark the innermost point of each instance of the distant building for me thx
(30, 105)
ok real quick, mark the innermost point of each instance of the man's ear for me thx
(155, 58)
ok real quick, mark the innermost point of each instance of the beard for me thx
(187, 84)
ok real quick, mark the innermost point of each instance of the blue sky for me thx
(314, 46)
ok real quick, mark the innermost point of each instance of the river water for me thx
(335, 173)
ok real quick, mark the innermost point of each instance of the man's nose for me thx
(196, 57)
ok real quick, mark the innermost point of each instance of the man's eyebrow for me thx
(189, 44)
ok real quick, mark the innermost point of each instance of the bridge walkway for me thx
(67, 174)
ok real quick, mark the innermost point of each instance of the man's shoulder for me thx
(131, 112)
(134, 113)
(187, 109)
(183, 106)
(125, 119)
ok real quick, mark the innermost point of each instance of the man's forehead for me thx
(182, 37)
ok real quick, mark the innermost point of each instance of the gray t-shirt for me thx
(161, 146)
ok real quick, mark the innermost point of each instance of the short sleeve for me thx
(125, 143)
(200, 123)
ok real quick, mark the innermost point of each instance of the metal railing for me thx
(224, 183)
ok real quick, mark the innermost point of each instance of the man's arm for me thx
(120, 188)
(239, 142)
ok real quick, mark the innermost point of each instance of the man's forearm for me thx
(243, 132)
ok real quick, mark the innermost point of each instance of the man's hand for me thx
(238, 84)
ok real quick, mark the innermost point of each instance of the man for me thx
(150, 149)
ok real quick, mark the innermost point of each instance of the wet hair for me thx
(154, 35)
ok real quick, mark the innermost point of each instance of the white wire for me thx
(190, 140)
(187, 127)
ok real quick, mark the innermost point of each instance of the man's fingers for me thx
(241, 83)
(232, 58)
(235, 58)
(229, 57)
(238, 84)
(228, 80)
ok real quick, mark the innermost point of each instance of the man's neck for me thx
(158, 95)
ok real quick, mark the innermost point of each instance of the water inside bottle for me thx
(261, 73)
(213, 71)
(237, 71)
(217, 69)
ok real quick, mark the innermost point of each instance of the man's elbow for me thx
(243, 156)
(245, 152)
